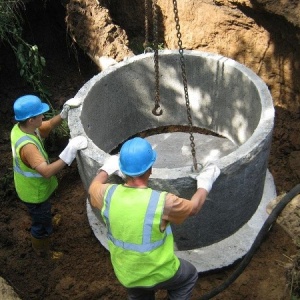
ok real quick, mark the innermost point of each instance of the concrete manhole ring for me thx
(225, 98)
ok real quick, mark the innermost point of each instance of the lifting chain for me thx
(147, 45)
(157, 111)
(184, 79)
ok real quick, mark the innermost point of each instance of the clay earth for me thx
(84, 271)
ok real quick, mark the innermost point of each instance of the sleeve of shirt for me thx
(97, 191)
(176, 209)
(31, 156)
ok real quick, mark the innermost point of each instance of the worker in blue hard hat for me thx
(138, 222)
(34, 175)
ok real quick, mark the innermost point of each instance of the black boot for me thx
(42, 248)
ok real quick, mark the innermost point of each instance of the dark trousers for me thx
(179, 287)
(41, 219)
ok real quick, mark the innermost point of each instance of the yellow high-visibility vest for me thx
(141, 255)
(31, 186)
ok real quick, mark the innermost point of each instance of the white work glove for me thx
(111, 166)
(207, 176)
(75, 144)
(105, 62)
(71, 103)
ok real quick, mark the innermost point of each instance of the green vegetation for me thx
(30, 63)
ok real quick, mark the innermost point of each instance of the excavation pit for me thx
(227, 99)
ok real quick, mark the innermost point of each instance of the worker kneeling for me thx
(138, 219)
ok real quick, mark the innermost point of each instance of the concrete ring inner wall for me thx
(225, 97)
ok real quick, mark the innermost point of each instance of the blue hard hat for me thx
(136, 157)
(29, 106)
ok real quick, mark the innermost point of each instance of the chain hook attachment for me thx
(155, 110)
(196, 167)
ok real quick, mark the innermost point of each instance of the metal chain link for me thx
(147, 45)
(157, 111)
(184, 79)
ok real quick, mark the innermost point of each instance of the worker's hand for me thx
(75, 144)
(111, 166)
(207, 176)
(71, 103)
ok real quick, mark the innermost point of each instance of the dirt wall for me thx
(250, 32)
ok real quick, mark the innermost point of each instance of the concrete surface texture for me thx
(6, 291)
(225, 97)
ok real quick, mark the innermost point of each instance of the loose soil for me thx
(84, 271)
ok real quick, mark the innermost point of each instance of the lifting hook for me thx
(155, 110)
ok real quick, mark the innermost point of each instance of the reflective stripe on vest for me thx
(17, 167)
(31, 186)
(146, 245)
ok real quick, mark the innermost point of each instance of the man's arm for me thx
(205, 181)
(178, 209)
(97, 189)
(54, 122)
(98, 186)
(48, 170)
(49, 125)
(33, 158)
(198, 200)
